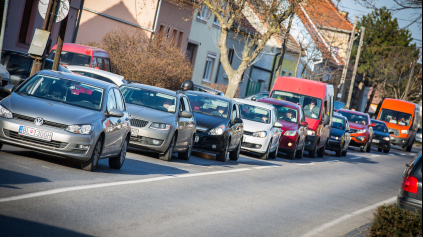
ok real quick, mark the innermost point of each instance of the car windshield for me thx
(312, 106)
(338, 123)
(64, 91)
(395, 117)
(149, 98)
(355, 118)
(256, 114)
(49, 66)
(286, 114)
(380, 127)
(69, 58)
(209, 105)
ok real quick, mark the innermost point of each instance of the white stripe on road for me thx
(111, 184)
(306, 164)
(265, 167)
(332, 161)
(356, 158)
(328, 225)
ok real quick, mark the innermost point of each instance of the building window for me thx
(181, 38)
(191, 49)
(202, 13)
(290, 74)
(26, 17)
(216, 22)
(209, 67)
(231, 54)
(283, 73)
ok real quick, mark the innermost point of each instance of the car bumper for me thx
(311, 142)
(334, 145)
(210, 144)
(63, 143)
(382, 144)
(144, 138)
(359, 140)
(400, 141)
(419, 139)
(409, 204)
(287, 144)
(255, 144)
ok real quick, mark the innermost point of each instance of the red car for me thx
(294, 130)
(362, 128)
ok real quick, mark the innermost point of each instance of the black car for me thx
(410, 197)
(381, 139)
(340, 135)
(19, 65)
(258, 96)
(207, 90)
(219, 125)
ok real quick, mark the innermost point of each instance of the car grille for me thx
(52, 144)
(140, 140)
(248, 133)
(4, 83)
(396, 132)
(46, 123)
(138, 123)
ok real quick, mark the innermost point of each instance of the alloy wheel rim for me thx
(97, 154)
(123, 152)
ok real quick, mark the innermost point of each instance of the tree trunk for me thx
(283, 48)
(405, 95)
(372, 96)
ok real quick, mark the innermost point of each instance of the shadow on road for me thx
(17, 227)
(9, 178)
(28, 154)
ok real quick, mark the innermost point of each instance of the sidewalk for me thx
(361, 231)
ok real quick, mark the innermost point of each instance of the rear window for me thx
(338, 123)
(69, 58)
(355, 118)
(381, 127)
(418, 167)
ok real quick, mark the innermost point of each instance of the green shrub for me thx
(390, 220)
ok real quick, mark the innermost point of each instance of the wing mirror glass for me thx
(115, 113)
(326, 120)
(373, 125)
(185, 114)
(278, 125)
(305, 124)
(253, 99)
(238, 120)
(8, 89)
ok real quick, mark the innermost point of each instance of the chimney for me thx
(343, 14)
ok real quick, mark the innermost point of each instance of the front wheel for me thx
(300, 153)
(117, 162)
(91, 164)
(187, 154)
(313, 153)
(234, 155)
(339, 153)
(274, 155)
(291, 155)
(379, 149)
(321, 151)
(344, 153)
(167, 156)
(266, 155)
(409, 148)
(386, 151)
(223, 155)
(1, 145)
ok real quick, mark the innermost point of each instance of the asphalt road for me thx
(43, 195)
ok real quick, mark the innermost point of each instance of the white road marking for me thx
(265, 167)
(332, 161)
(375, 155)
(328, 225)
(306, 164)
(356, 158)
(111, 184)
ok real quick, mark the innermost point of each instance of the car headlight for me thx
(217, 131)
(5, 113)
(405, 132)
(335, 138)
(290, 133)
(262, 134)
(362, 131)
(160, 126)
(311, 133)
(80, 129)
(387, 139)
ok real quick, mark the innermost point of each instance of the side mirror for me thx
(373, 125)
(238, 120)
(8, 89)
(304, 124)
(185, 114)
(278, 125)
(115, 113)
(326, 120)
(253, 99)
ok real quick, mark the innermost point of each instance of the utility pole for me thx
(47, 25)
(347, 62)
(405, 97)
(3, 25)
(60, 41)
(363, 32)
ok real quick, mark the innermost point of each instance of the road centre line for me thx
(306, 164)
(111, 184)
(332, 161)
(328, 225)
(356, 158)
(266, 167)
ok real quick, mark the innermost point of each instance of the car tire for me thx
(410, 147)
(274, 154)
(313, 153)
(266, 155)
(339, 153)
(344, 153)
(386, 151)
(300, 153)
(167, 156)
(91, 164)
(1, 145)
(369, 147)
(364, 148)
(234, 155)
(187, 154)
(117, 162)
(291, 155)
(321, 151)
(223, 155)
(379, 149)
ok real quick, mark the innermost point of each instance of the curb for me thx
(361, 231)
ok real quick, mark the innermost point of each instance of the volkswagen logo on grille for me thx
(39, 121)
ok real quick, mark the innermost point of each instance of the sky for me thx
(404, 17)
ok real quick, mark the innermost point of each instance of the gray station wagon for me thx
(162, 120)
(67, 115)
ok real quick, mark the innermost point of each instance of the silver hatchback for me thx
(67, 115)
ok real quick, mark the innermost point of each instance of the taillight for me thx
(410, 184)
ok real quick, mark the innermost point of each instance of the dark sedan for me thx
(340, 135)
(381, 139)
(410, 197)
(219, 125)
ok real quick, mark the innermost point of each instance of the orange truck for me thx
(402, 119)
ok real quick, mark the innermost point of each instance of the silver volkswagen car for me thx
(162, 120)
(67, 115)
(262, 130)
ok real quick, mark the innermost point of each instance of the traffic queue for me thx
(88, 119)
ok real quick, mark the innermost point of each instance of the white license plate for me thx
(376, 141)
(197, 139)
(35, 133)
